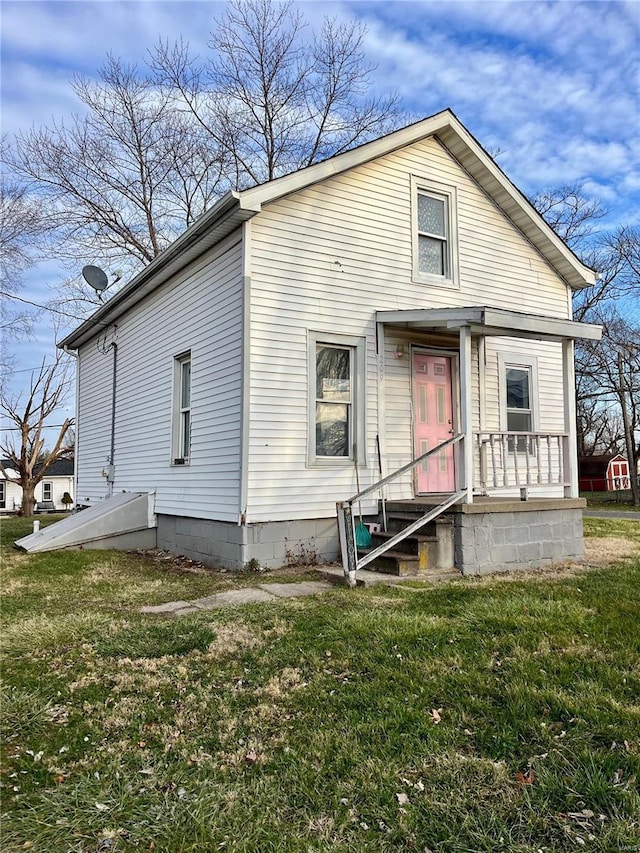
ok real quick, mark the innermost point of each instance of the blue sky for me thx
(552, 85)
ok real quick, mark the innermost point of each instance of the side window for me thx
(3, 494)
(336, 401)
(519, 398)
(181, 438)
(518, 394)
(47, 491)
(434, 217)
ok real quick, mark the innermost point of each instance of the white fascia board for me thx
(492, 321)
(541, 325)
(431, 316)
(280, 187)
(465, 148)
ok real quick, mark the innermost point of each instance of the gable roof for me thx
(59, 468)
(235, 207)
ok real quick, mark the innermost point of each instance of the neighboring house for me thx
(605, 473)
(10, 491)
(358, 312)
(48, 493)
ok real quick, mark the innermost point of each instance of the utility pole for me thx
(628, 439)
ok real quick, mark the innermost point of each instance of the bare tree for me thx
(154, 146)
(122, 180)
(608, 389)
(28, 417)
(271, 99)
(570, 212)
(21, 225)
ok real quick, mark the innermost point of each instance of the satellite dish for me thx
(95, 277)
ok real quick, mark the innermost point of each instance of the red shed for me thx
(606, 473)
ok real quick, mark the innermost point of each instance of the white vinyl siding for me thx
(198, 311)
(326, 259)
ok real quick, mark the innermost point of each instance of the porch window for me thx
(47, 491)
(335, 364)
(181, 443)
(518, 386)
(434, 239)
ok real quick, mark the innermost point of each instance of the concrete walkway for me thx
(261, 594)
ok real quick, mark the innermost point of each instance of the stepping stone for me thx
(293, 590)
(169, 607)
(232, 597)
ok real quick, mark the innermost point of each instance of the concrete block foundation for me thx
(487, 536)
(270, 544)
(511, 535)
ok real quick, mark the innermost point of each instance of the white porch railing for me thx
(510, 460)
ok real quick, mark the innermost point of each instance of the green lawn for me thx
(498, 714)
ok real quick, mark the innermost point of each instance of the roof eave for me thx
(224, 217)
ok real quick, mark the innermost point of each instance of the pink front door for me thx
(432, 421)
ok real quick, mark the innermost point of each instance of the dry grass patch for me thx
(233, 637)
(282, 684)
(610, 549)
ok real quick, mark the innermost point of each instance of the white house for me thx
(312, 335)
(49, 492)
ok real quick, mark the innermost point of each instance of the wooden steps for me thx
(426, 551)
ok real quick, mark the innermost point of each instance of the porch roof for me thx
(486, 321)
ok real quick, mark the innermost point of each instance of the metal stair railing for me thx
(350, 560)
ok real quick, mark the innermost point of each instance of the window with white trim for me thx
(336, 406)
(3, 494)
(47, 491)
(519, 396)
(181, 444)
(435, 254)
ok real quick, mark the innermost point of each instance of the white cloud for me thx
(554, 85)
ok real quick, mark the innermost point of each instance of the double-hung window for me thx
(519, 398)
(434, 233)
(47, 491)
(181, 444)
(433, 238)
(336, 373)
(3, 495)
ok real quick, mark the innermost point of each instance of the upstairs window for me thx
(182, 409)
(435, 253)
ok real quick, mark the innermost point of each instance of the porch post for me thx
(465, 410)
(380, 391)
(570, 427)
